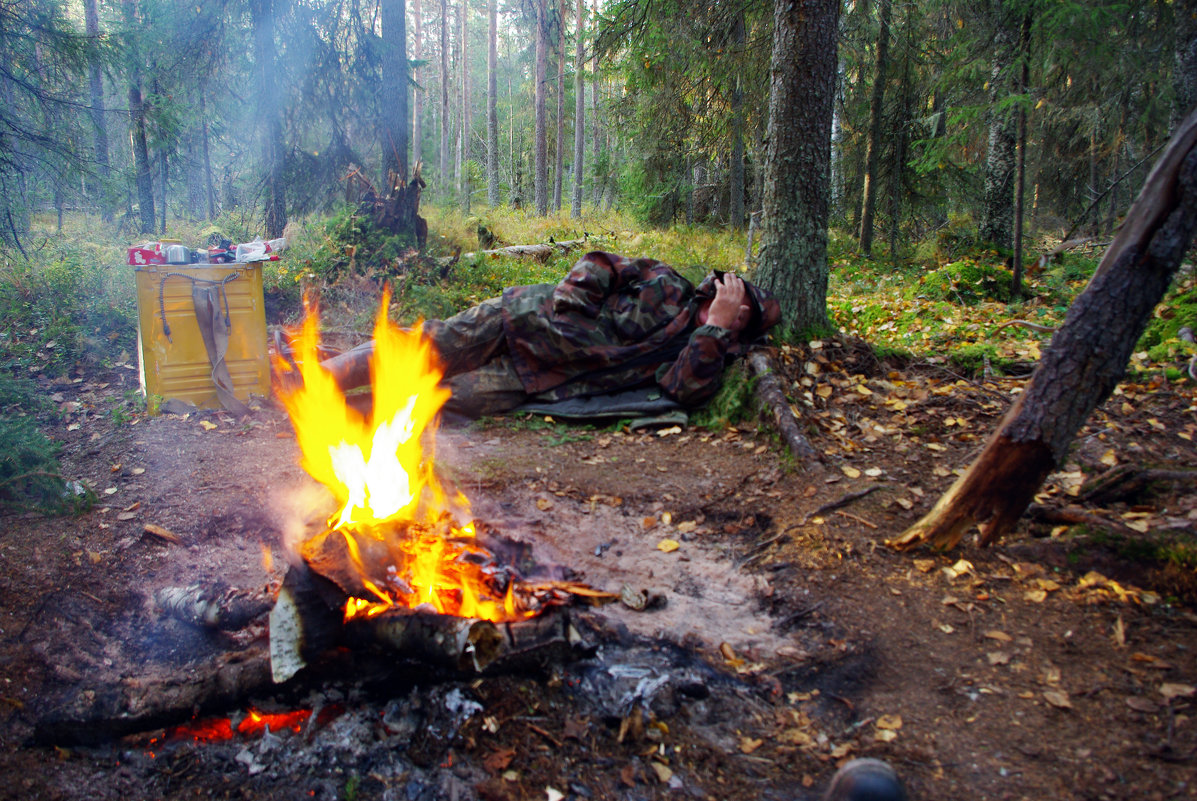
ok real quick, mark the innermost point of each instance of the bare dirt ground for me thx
(1055, 665)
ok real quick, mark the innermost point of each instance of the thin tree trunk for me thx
(209, 178)
(873, 148)
(793, 261)
(560, 167)
(998, 212)
(395, 122)
(735, 201)
(1024, 81)
(98, 118)
(579, 111)
(417, 117)
(492, 113)
(444, 151)
(1086, 360)
(1184, 71)
(897, 171)
(596, 126)
(464, 159)
(141, 151)
(262, 13)
(540, 179)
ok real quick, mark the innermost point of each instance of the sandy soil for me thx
(790, 638)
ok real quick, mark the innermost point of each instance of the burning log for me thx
(135, 704)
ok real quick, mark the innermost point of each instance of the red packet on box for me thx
(147, 253)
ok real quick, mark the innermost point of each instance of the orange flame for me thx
(380, 469)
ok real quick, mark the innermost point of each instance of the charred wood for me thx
(215, 607)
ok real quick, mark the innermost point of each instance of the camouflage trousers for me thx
(478, 368)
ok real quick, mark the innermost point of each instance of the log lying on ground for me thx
(135, 704)
(773, 399)
(1084, 363)
(542, 251)
(217, 606)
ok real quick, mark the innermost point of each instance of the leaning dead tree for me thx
(1086, 360)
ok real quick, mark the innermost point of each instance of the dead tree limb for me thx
(773, 399)
(541, 252)
(214, 606)
(1086, 360)
(1125, 482)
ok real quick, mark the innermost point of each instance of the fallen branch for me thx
(773, 398)
(831, 506)
(1043, 329)
(1126, 482)
(1072, 516)
(542, 252)
(1186, 335)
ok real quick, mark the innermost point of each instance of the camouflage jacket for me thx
(615, 323)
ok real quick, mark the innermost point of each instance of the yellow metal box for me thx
(173, 359)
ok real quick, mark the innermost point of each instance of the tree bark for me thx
(444, 152)
(395, 120)
(997, 212)
(1087, 358)
(873, 148)
(464, 169)
(575, 209)
(1184, 70)
(540, 180)
(98, 118)
(560, 166)
(263, 13)
(417, 116)
(595, 122)
(492, 113)
(802, 88)
(735, 202)
(141, 150)
(1020, 167)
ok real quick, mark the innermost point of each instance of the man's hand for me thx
(730, 308)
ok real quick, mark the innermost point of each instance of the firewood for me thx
(94, 715)
(773, 398)
(215, 606)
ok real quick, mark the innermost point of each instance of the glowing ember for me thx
(380, 469)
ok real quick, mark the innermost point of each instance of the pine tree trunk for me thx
(395, 120)
(793, 260)
(575, 209)
(873, 148)
(141, 150)
(735, 201)
(596, 127)
(540, 180)
(560, 167)
(417, 116)
(464, 158)
(998, 211)
(1020, 167)
(263, 14)
(492, 113)
(1184, 71)
(443, 165)
(1086, 359)
(98, 118)
(209, 178)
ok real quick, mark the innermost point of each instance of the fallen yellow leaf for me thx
(668, 546)
(207, 426)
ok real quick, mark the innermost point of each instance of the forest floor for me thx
(1060, 663)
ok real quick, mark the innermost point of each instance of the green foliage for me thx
(967, 281)
(65, 305)
(29, 474)
(733, 404)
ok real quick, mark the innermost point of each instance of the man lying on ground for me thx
(614, 323)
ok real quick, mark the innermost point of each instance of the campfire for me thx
(412, 566)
